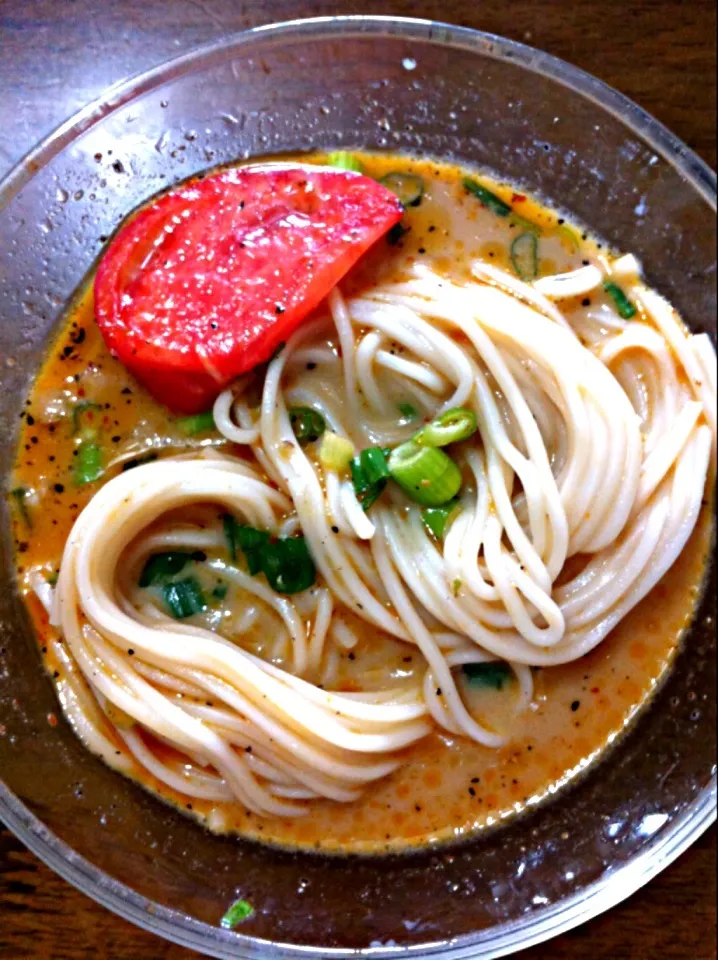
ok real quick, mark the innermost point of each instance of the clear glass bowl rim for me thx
(542, 924)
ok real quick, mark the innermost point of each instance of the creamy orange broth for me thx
(448, 787)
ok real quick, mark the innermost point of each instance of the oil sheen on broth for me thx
(448, 786)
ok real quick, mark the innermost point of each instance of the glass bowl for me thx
(378, 83)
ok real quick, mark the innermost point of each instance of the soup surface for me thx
(447, 786)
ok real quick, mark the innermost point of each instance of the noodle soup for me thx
(410, 576)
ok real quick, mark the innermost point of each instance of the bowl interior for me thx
(388, 85)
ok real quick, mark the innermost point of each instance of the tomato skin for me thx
(208, 280)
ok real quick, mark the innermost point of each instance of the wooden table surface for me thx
(55, 55)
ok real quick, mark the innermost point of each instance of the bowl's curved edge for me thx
(536, 928)
(652, 130)
(548, 921)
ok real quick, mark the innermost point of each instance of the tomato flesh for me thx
(207, 281)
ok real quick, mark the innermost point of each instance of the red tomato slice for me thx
(207, 281)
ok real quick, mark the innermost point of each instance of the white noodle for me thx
(600, 449)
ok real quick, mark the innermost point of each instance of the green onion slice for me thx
(425, 474)
(220, 591)
(374, 465)
(163, 567)
(345, 161)
(77, 412)
(359, 478)
(19, 494)
(367, 491)
(249, 540)
(408, 187)
(372, 495)
(200, 423)
(252, 543)
(229, 525)
(88, 466)
(625, 308)
(493, 674)
(524, 256)
(184, 598)
(308, 424)
(285, 562)
(287, 565)
(439, 519)
(489, 199)
(239, 911)
(453, 426)
(408, 411)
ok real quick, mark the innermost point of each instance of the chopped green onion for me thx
(524, 256)
(183, 598)
(493, 674)
(239, 911)
(335, 452)
(308, 424)
(52, 578)
(345, 161)
(286, 562)
(220, 591)
(396, 233)
(439, 519)
(79, 409)
(372, 495)
(252, 543)
(19, 494)
(453, 426)
(425, 474)
(367, 491)
(163, 567)
(138, 461)
(373, 463)
(623, 305)
(456, 586)
(88, 466)
(489, 199)
(287, 565)
(229, 525)
(359, 477)
(408, 187)
(408, 411)
(200, 423)
(249, 540)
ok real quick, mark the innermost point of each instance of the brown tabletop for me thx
(55, 55)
